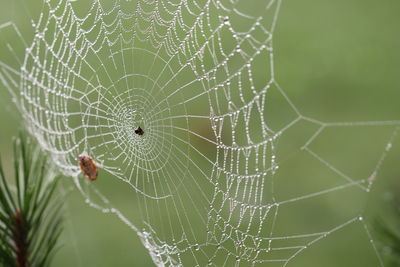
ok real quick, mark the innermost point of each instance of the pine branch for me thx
(30, 219)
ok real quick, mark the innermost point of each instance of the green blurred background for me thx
(337, 61)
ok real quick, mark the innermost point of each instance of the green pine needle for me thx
(30, 218)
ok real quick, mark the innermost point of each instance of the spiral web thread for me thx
(196, 77)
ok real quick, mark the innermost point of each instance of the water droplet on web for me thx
(388, 146)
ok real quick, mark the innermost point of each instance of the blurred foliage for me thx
(389, 233)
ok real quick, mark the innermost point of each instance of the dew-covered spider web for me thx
(212, 180)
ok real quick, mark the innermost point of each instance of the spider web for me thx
(198, 78)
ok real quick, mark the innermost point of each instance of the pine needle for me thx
(30, 218)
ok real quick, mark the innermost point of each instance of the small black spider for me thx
(139, 131)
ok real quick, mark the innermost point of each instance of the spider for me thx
(88, 167)
(139, 131)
